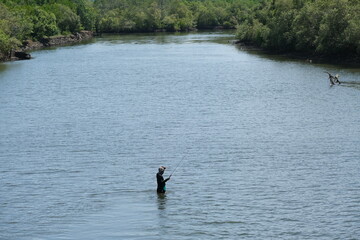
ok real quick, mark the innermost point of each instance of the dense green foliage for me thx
(326, 27)
(321, 26)
(36, 19)
(169, 15)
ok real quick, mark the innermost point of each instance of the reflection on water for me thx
(328, 63)
(161, 200)
(225, 36)
(2, 67)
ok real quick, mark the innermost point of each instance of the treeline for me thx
(36, 19)
(170, 15)
(323, 27)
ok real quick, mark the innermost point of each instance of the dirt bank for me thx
(60, 40)
(57, 40)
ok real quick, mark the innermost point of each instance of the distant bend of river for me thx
(267, 149)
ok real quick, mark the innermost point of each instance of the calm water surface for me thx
(269, 149)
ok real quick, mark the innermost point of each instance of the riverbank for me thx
(310, 57)
(59, 40)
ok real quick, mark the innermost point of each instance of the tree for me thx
(332, 27)
(306, 27)
(7, 44)
(206, 16)
(44, 23)
(352, 31)
(153, 17)
(111, 22)
(66, 19)
(87, 13)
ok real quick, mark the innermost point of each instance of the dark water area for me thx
(269, 149)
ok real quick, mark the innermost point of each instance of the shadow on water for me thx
(221, 36)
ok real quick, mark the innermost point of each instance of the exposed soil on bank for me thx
(59, 40)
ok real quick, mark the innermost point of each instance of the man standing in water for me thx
(161, 186)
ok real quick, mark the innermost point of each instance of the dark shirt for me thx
(161, 183)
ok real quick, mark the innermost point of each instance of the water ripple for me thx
(269, 150)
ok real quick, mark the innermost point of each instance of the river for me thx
(266, 148)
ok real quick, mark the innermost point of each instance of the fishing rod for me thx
(177, 166)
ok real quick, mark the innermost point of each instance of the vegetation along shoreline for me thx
(325, 29)
(61, 40)
(349, 60)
